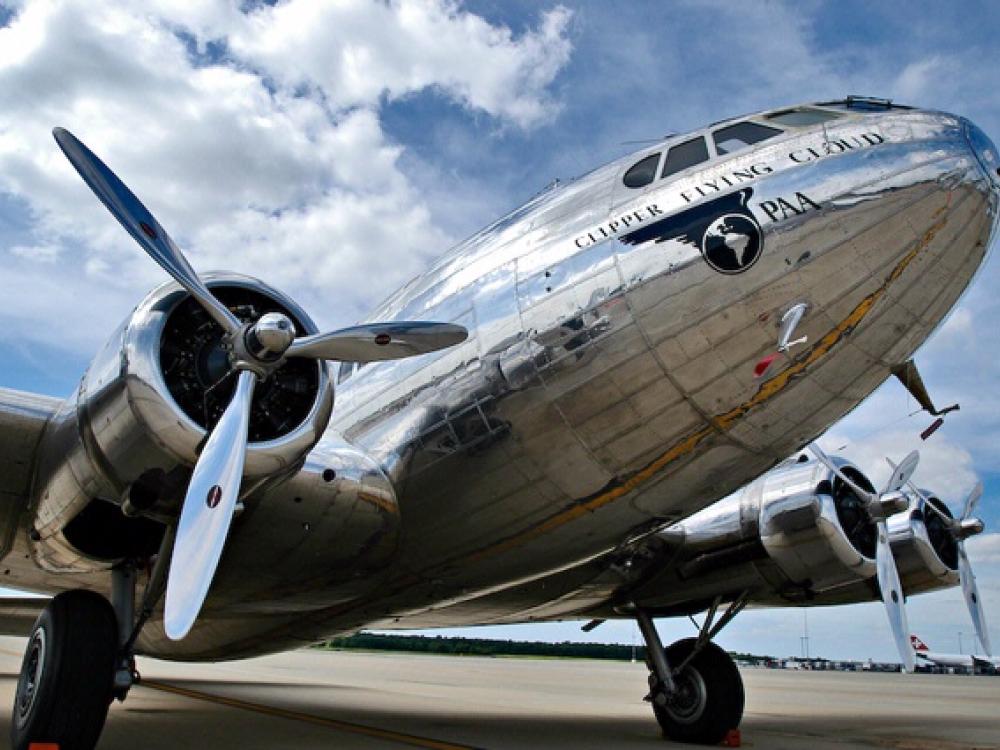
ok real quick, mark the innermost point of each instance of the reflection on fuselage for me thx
(608, 382)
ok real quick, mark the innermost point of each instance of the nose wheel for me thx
(65, 686)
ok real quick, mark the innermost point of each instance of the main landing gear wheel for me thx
(65, 686)
(708, 700)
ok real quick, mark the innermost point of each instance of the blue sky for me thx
(335, 150)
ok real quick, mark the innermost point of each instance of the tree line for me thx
(494, 647)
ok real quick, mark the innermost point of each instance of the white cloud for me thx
(945, 468)
(358, 51)
(915, 79)
(38, 253)
(271, 160)
(984, 549)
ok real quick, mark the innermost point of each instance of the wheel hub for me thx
(687, 702)
(27, 685)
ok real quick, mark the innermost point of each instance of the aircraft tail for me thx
(918, 645)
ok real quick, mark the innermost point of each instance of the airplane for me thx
(537, 428)
(968, 661)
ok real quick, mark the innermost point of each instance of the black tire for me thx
(710, 697)
(66, 678)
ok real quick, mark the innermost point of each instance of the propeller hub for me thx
(887, 504)
(269, 338)
(969, 527)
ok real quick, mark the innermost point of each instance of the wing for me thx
(23, 417)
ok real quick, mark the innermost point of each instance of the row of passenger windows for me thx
(727, 140)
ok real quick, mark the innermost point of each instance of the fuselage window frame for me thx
(687, 162)
(745, 133)
(802, 117)
(647, 166)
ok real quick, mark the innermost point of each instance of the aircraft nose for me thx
(985, 151)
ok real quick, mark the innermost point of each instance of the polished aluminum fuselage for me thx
(607, 386)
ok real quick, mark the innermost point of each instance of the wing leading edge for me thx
(23, 417)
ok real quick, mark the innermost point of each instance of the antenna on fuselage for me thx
(644, 141)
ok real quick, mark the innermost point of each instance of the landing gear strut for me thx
(695, 688)
(80, 657)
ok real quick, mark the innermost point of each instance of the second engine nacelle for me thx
(924, 547)
(798, 534)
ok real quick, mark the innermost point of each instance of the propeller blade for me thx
(828, 462)
(902, 472)
(892, 597)
(972, 500)
(373, 342)
(971, 593)
(141, 224)
(926, 504)
(208, 512)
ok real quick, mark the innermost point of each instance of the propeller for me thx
(961, 529)
(257, 349)
(879, 507)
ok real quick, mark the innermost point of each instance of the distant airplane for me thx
(548, 424)
(969, 661)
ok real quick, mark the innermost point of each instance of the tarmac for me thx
(328, 699)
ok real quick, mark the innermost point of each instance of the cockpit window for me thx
(801, 117)
(685, 155)
(741, 135)
(642, 172)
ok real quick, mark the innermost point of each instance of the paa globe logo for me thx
(732, 243)
(724, 231)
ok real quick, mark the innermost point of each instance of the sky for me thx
(335, 149)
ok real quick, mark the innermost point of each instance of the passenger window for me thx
(642, 172)
(742, 134)
(800, 118)
(685, 155)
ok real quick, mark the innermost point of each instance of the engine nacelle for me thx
(925, 549)
(130, 433)
(814, 528)
(797, 534)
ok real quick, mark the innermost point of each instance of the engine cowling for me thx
(815, 528)
(925, 549)
(797, 534)
(130, 433)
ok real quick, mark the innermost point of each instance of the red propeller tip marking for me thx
(147, 230)
(764, 365)
(214, 496)
(382, 339)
